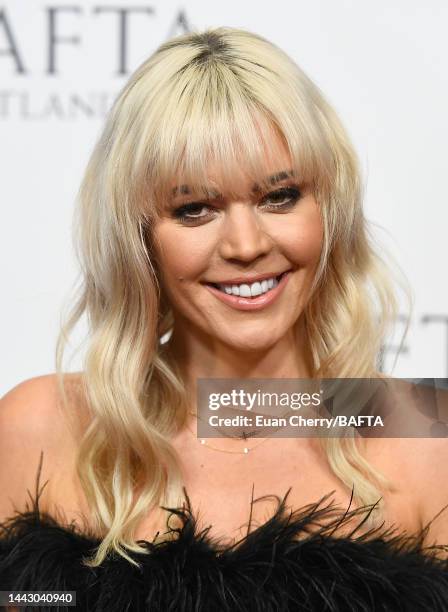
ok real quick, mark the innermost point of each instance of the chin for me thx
(248, 343)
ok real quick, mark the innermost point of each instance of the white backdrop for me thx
(383, 66)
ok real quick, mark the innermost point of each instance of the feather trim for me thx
(298, 560)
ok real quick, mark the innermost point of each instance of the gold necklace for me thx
(245, 451)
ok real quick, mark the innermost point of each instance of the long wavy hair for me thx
(216, 95)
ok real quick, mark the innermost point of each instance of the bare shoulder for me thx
(418, 469)
(413, 460)
(431, 488)
(35, 421)
(422, 465)
(421, 455)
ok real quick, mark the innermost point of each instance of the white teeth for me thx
(255, 289)
(252, 290)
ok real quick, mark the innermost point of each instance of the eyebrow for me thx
(271, 180)
(274, 179)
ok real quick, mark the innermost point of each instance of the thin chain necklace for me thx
(245, 451)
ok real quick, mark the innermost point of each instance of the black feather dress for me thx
(296, 561)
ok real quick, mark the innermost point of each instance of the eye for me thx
(188, 212)
(283, 198)
(196, 213)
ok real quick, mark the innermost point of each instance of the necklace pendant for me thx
(202, 441)
(246, 450)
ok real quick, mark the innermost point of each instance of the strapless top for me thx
(298, 560)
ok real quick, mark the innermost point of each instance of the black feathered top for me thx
(296, 561)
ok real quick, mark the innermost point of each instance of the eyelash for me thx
(292, 193)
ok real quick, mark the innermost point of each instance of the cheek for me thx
(180, 252)
(302, 241)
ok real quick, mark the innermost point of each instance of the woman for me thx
(221, 235)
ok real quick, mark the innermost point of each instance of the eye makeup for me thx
(277, 201)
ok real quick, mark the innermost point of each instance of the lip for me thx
(248, 280)
(256, 303)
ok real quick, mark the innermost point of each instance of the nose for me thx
(243, 236)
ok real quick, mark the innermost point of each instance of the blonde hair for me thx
(213, 95)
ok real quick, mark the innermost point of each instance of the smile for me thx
(255, 296)
(252, 290)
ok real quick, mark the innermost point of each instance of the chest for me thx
(221, 489)
(230, 496)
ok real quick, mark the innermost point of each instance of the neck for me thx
(200, 356)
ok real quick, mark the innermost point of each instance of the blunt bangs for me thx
(211, 121)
